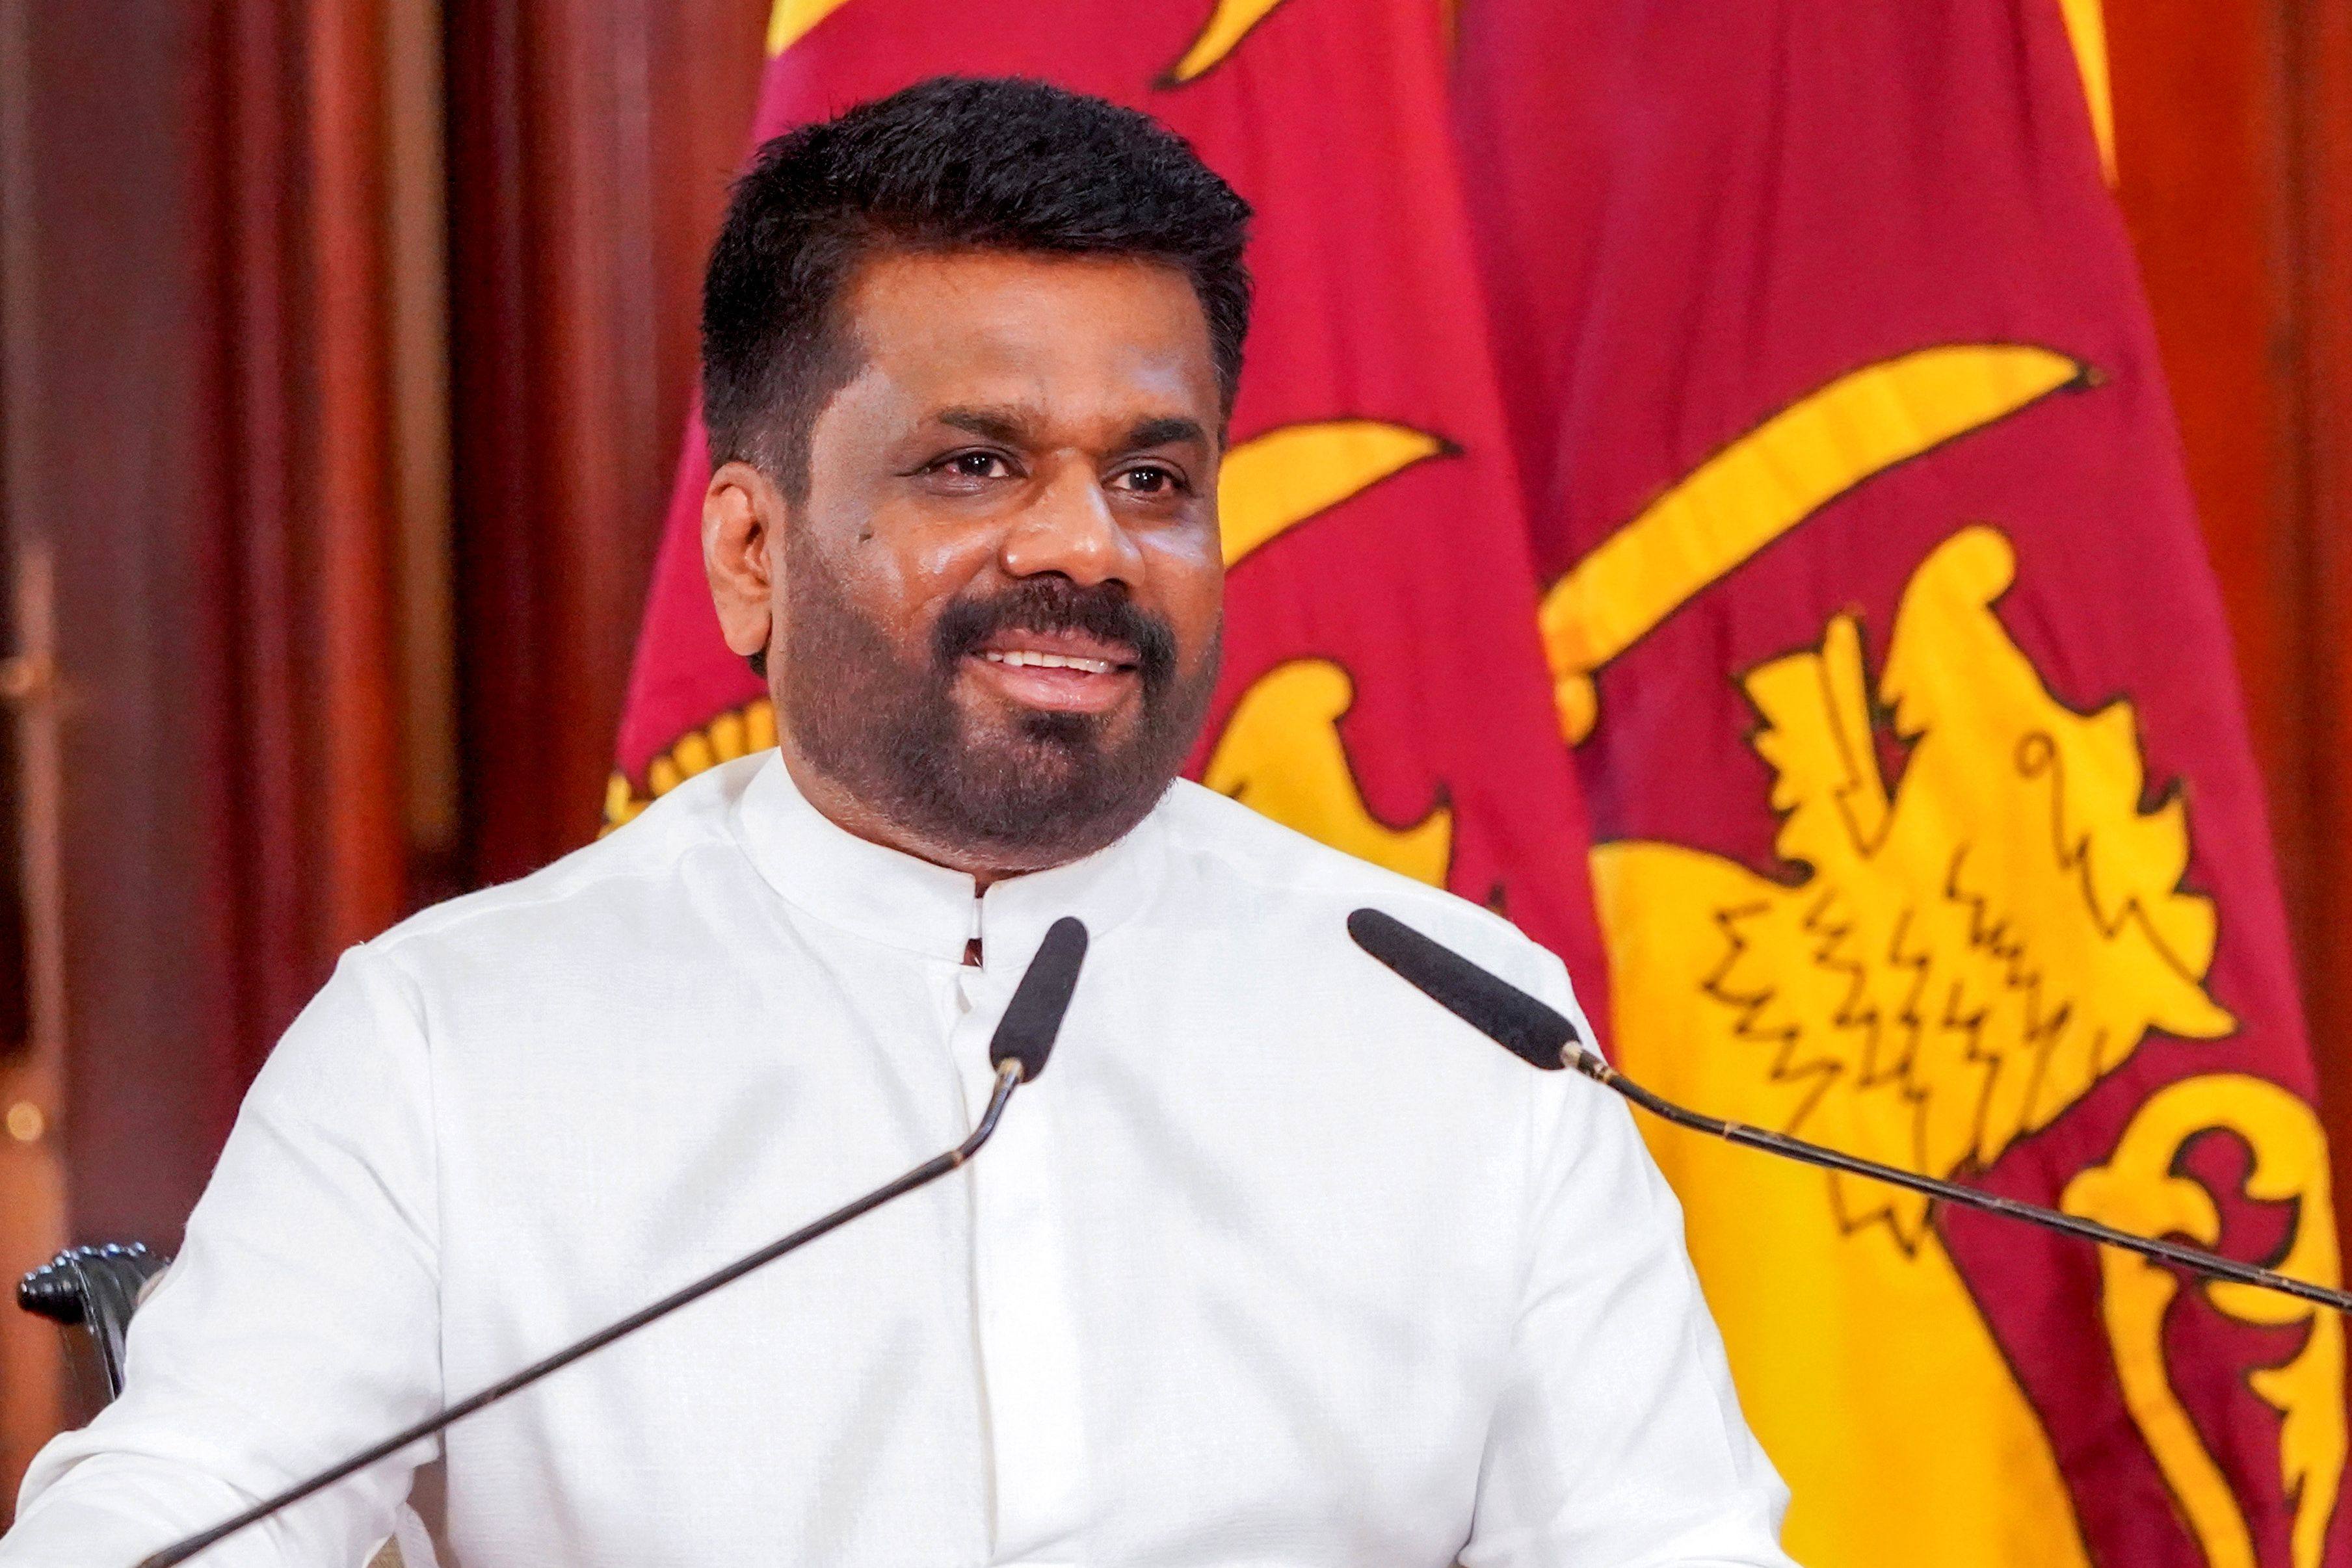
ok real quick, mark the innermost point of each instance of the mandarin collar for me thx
(892, 897)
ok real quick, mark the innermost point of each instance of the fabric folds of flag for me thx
(1925, 816)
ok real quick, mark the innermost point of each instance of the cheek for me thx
(934, 579)
(899, 578)
(1190, 584)
(935, 565)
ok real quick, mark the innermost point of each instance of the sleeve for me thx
(1617, 1439)
(299, 1323)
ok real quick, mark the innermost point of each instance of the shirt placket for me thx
(1022, 1303)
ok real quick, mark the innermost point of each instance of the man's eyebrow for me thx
(1164, 431)
(988, 423)
(1012, 426)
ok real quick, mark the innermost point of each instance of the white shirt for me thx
(1275, 1263)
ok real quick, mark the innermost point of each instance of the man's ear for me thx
(742, 519)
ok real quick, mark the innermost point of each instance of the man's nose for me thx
(1070, 528)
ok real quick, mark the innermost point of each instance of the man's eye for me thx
(1151, 479)
(975, 466)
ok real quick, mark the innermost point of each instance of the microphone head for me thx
(1529, 1029)
(1034, 1017)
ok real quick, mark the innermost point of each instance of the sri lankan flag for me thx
(1926, 823)
(1738, 418)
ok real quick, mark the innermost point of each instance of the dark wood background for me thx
(343, 350)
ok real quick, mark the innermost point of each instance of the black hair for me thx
(952, 163)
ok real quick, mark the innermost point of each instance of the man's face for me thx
(996, 615)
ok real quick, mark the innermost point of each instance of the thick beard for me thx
(1052, 788)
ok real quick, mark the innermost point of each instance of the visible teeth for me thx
(1024, 658)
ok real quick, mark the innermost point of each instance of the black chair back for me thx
(94, 1289)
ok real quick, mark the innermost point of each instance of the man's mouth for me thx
(1059, 672)
(1029, 659)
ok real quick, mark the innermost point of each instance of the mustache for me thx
(1059, 604)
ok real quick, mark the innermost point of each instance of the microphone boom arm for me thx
(2196, 1260)
(1010, 1074)
(1540, 1036)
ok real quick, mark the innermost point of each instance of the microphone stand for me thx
(1010, 1074)
(2196, 1260)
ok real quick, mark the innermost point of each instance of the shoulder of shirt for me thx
(693, 816)
(1281, 863)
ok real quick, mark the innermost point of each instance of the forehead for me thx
(1004, 327)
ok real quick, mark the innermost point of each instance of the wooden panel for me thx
(360, 785)
(591, 146)
(416, 243)
(115, 468)
(262, 435)
(312, 822)
(190, 321)
(2320, 62)
(2234, 135)
(2201, 150)
(108, 470)
(32, 1183)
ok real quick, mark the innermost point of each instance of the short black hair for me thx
(952, 163)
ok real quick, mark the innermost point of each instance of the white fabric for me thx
(1276, 1263)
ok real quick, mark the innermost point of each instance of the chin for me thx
(1044, 730)
(1024, 788)
(1035, 806)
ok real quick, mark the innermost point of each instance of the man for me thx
(1280, 1264)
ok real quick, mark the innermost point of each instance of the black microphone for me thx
(1024, 1035)
(1536, 1034)
(1539, 1035)
(1024, 1038)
